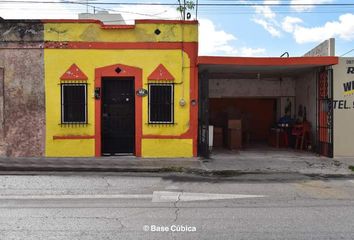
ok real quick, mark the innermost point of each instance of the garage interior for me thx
(261, 105)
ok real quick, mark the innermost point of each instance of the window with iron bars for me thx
(161, 104)
(73, 103)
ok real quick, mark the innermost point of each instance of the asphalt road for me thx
(131, 207)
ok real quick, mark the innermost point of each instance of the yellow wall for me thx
(92, 32)
(57, 61)
(167, 147)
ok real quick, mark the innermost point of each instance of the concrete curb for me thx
(206, 173)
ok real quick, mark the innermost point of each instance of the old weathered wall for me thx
(272, 87)
(306, 96)
(21, 58)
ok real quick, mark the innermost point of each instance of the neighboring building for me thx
(105, 17)
(22, 102)
(82, 88)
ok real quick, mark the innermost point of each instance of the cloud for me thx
(213, 41)
(268, 26)
(146, 12)
(289, 23)
(343, 28)
(267, 18)
(251, 52)
(308, 7)
(266, 11)
(38, 11)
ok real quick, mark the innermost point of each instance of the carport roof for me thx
(263, 64)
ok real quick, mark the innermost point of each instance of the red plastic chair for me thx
(302, 132)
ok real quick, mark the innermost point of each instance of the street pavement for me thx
(140, 206)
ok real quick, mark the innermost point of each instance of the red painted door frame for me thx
(119, 70)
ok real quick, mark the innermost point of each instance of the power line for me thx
(113, 10)
(176, 4)
(347, 52)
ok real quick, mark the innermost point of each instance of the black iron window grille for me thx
(73, 103)
(161, 104)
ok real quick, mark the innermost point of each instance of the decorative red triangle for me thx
(161, 73)
(73, 73)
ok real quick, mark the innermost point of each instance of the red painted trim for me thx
(161, 73)
(73, 80)
(73, 137)
(267, 61)
(127, 71)
(119, 45)
(138, 21)
(74, 73)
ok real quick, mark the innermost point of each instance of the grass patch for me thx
(351, 168)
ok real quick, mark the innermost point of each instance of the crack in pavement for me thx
(175, 205)
(108, 184)
(122, 226)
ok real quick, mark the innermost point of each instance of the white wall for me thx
(305, 88)
(300, 90)
(270, 87)
(343, 114)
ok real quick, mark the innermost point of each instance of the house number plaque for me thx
(141, 92)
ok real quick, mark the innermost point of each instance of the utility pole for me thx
(184, 9)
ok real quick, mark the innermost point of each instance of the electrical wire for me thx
(347, 52)
(177, 4)
(118, 11)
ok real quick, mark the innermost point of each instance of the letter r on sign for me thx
(350, 70)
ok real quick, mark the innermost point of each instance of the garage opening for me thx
(254, 104)
(253, 116)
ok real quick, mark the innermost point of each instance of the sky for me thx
(232, 30)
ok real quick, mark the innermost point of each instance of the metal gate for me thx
(203, 118)
(325, 113)
(118, 116)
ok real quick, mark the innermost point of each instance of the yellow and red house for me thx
(121, 89)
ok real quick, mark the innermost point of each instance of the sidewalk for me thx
(225, 163)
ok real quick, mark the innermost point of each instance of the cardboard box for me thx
(234, 139)
(218, 137)
(234, 124)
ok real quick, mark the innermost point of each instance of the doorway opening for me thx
(118, 116)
